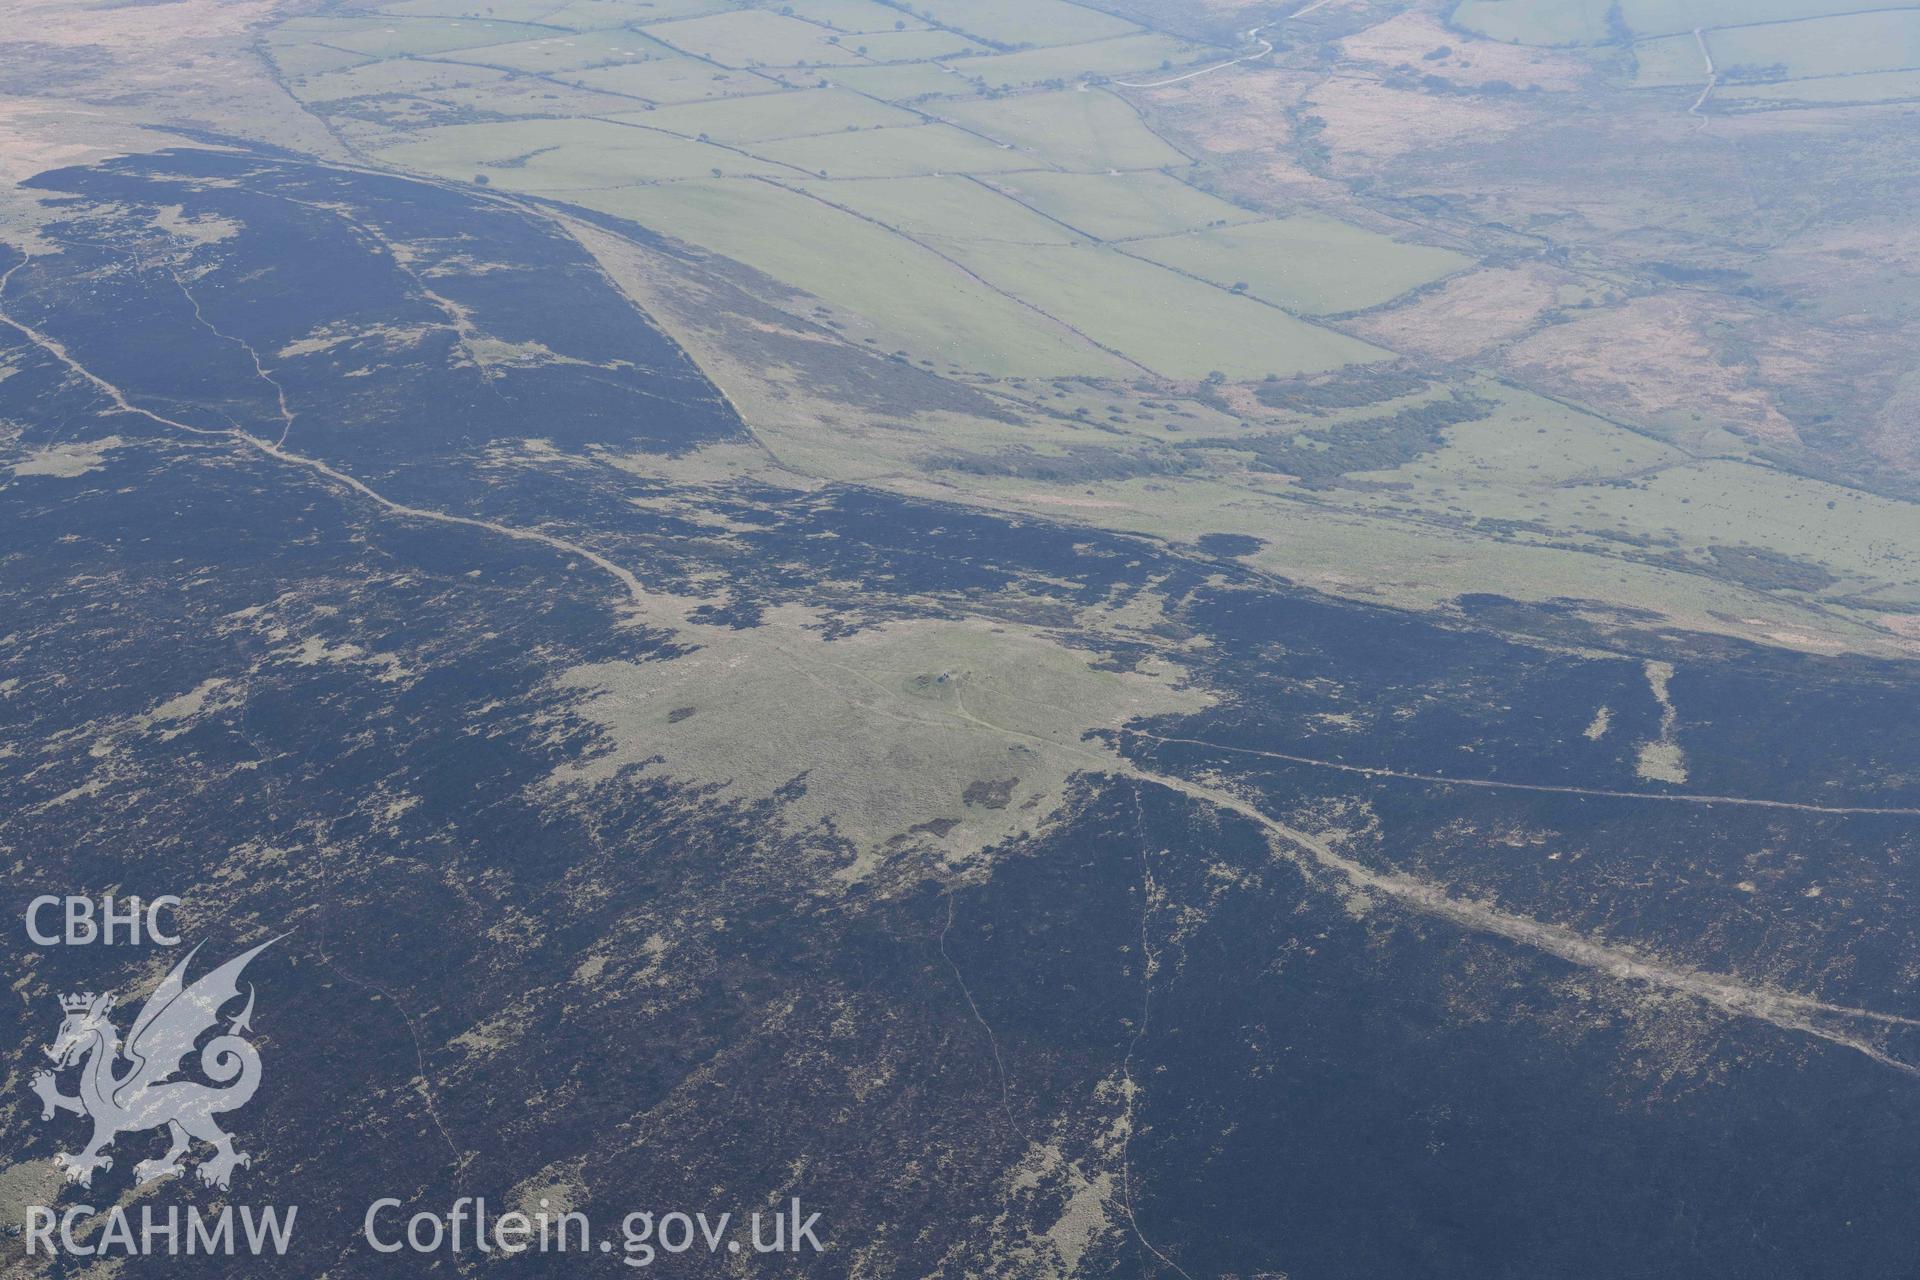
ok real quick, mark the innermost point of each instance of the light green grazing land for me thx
(1846, 45)
(895, 153)
(301, 60)
(1162, 321)
(1539, 22)
(754, 38)
(1122, 206)
(671, 80)
(397, 37)
(559, 156)
(1068, 129)
(957, 209)
(1662, 17)
(479, 10)
(1021, 22)
(912, 46)
(767, 117)
(1667, 62)
(1880, 86)
(1078, 61)
(857, 17)
(1309, 264)
(902, 83)
(566, 52)
(902, 294)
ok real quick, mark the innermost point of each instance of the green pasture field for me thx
(1529, 460)
(912, 46)
(566, 52)
(1668, 61)
(599, 15)
(394, 37)
(582, 14)
(1539, 22)
(854, 16)
(661, 10)
(1071, 129)
(895, 153)
(674, 80)
(1532, 460)
(519, 96)
(1841, 45)
(1175, 327)
(1663, 17)
(555, 156)
(1122, 206)
(482, 10)
(576, 15)
(1405, 562)
(392, 75)
(906, 296)
(1589, 22)
(1310, 264)
(1530, 443)
(1017, 22)
(767, 116)
(1874, 86)
(943, 209)
(299, 58)
(902, 83)
(1077, 61)
(753, 38)
(1862, 539)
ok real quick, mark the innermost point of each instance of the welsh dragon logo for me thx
(145, 1095)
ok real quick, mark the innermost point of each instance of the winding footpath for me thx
(280, 453)
(1838, 1024)
(1787, 1011)
(1495, 784)
(1266, 47)
(1713, 74)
